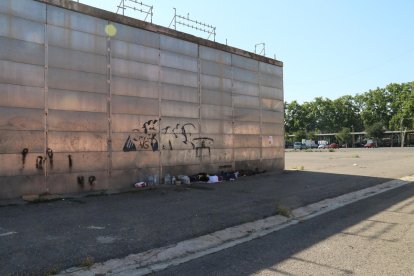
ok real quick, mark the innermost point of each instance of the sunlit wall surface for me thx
(86, 103)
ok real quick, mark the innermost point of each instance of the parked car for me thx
(333, 146)
(370, 145)
(322, 146)
(314, 146)
(299, 146)
(358, 145)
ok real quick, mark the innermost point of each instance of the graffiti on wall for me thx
(144, 137)
(203, 145)
(40, 160)
(147, 136)
(179, 133)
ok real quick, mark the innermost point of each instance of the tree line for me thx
(388, 108)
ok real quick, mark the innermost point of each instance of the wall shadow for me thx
(265, 253)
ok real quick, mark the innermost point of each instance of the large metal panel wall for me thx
(22, 81)
(179, 112)
(99, 112)
(135, 105)
(76, 101)
(272, 112)
(247, 112)
(216, 110)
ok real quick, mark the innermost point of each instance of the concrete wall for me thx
(76, 103)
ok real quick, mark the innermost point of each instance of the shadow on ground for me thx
(265, 253)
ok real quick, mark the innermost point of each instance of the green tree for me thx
(322, 113)
(299, 135)
(344, 136)
(294, 117)
(347, 114)
(311, 135)
(402, 105)
(376, 107)
(391, 106)
(375, 131)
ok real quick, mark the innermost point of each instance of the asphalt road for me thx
(40, 238)
(374, 236)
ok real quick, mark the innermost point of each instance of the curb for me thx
(161, 258)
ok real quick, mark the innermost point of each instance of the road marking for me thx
(161, 258)
(7, 234)
(106, 239)
(92, 227)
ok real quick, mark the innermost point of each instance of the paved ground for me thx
(374, 236)
(52, 236)
(377, 162)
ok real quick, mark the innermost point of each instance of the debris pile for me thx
(202, 177)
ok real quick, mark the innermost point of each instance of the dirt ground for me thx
(377, 162)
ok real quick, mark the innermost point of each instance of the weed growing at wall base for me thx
(282, 210)
(87, 262)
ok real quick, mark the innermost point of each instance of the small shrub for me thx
(87, 262)
(283, 211)
(331, 150)
(308, 150)
(51, 271)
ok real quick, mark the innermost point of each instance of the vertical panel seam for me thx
(160, 164)
(109, 101)
(283, 126)
(232, 112)
(199, 101)
(46, 92)
(261, 113)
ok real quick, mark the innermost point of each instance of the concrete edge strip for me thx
(161, 258)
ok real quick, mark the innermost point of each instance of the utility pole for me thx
(353, 137)
(403, 131)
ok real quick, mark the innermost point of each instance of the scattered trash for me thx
(229, 176)
(213, 179)
(167, 179)
(184, 179)
(152, 179)
(202, 177)
(140, 185)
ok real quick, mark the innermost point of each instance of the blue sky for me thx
(329, 48)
